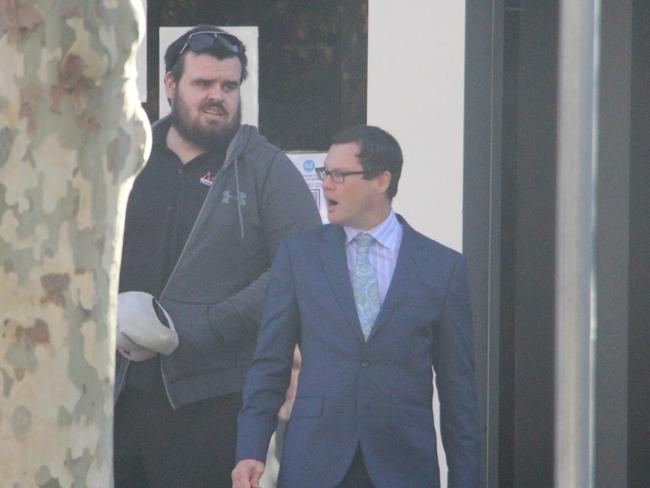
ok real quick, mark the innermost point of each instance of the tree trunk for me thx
(72, 135)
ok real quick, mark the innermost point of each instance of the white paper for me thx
(306, 164)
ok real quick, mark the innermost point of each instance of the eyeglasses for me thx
(204, 40)
(336, 176)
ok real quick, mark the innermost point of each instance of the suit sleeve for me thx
(270, 372)
(287, 207)
(453, 360)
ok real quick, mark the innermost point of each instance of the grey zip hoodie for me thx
(215, 294)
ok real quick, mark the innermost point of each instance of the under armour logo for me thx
(227, 196)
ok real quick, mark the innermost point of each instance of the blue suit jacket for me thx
(377, 394)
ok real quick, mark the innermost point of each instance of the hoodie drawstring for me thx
(239, 211)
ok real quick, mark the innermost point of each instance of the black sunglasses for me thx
(203, 40)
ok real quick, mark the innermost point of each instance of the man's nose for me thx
(328, 183)
(215, 92)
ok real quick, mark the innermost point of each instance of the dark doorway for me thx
(313, 61)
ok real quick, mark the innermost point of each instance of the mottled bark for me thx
(72, 135)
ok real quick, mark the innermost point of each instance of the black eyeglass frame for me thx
(228, 41)
(337, 176)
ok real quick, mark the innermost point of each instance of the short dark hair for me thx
(378, 151)
(176, 63)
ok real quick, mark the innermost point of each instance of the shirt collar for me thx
(381, 233)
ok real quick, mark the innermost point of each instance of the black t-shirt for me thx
(163, 205)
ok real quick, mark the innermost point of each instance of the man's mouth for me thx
(331, 203)
(214, 111)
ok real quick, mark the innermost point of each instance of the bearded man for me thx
(203, 223)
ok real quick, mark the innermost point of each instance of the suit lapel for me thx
(334, 261)
(403, 277)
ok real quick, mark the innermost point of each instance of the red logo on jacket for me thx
(207, 178)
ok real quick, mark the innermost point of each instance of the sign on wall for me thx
(306, 164)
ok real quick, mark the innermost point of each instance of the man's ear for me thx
(383, 181)
(170, 85)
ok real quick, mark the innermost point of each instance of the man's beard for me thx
(212, 138)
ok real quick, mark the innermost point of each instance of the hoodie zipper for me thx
(229, 160)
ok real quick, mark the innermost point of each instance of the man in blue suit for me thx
(372, 305)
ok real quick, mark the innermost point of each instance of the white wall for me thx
(416, 76)
(415, 92)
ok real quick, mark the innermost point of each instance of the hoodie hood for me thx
(245, 136)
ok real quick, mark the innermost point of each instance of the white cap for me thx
(130, 349)
(140, 334)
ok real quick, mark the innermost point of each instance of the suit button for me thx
(365, 364)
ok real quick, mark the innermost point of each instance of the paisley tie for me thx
(364, 285)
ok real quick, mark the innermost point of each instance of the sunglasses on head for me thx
(203, 40)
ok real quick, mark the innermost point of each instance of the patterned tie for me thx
(364, 285)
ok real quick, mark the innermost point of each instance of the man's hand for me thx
(247, 474)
